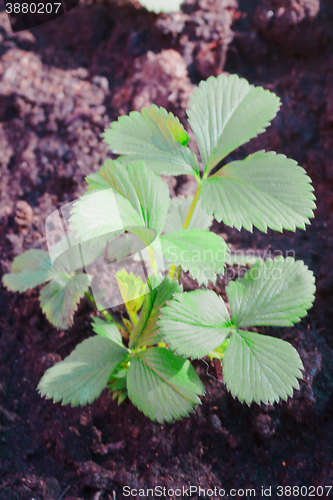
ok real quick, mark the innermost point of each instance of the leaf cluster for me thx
(146, 357)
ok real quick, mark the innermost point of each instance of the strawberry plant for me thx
(127, 218)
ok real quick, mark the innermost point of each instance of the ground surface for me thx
(60, 86)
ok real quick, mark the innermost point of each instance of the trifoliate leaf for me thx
(30, 269)
(275, 293)
(154, 136)
(162, 385)
(80, 378)
(60, 297)
(146, 330)
(225, 112)
(200, 252)
(260, 368)
(177, 214)
(103, 214)
(158, 6)
(264, 190)
(106, 329)
(132, 290)
(146, 191)
(194, 323)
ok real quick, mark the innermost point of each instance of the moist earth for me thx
(61, 84)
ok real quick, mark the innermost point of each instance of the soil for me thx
(61, 85)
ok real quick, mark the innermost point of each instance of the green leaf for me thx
(132, 290)
(96, 182)
(162, 385)
(107, 330)
(146, 191)
(60, 297)
(177, 214)
(226, 112)
(103, 214)
(146, 330)
(260, 368)
(275, 293)
(154, 136)
(30, 269)
(80, 378)
(195, 323)
(200, 252)
(158, 6)
(264, 190)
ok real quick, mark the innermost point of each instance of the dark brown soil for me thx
(61, 84)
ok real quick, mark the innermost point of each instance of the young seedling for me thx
(144, 356)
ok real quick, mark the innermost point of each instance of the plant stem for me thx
(152, 258)
(185, 226)
(172, 271)
(192, 207)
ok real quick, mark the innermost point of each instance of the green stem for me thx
(185, 226)
(172, 271)
(192, 207)
(152, 258)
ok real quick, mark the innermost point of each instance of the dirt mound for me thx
(61, 84)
